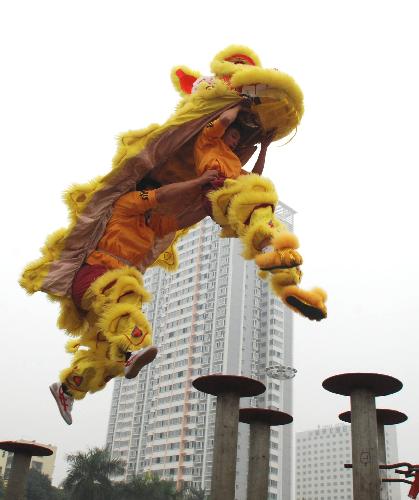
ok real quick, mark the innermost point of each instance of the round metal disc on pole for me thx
(265, 416)
(384, 417)
(377, 384)
(22, 454)
(218, 384)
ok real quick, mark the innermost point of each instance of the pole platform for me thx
(244, 387)
(35, 450)
(376, 383)
(22, 455)
(264, 416)
(384, 417)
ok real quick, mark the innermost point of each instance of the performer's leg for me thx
(281, 254)
(311, 304)
(91, 367)
(116, 298)
(246, 206)
(72, 317)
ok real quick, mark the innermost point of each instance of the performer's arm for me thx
(260, 162)
(228, 117)
(137, 202)
(175, 192)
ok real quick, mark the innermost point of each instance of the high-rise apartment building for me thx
(320, 457)
(214, 315)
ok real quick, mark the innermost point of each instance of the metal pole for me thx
(382, 458)
(17, 479)
(225, 447)
(366, 479)
(258, 473)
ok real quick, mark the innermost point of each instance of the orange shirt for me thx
(131, 231)
(211, 152)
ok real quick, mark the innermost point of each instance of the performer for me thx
(93, 267)
(244, 207)
(215, 146)
(109, 290)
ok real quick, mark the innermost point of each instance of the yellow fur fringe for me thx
(117, 323)
(221, 67)
(285, 239)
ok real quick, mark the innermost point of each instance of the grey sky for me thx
(76, 74)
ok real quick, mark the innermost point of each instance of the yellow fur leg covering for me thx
(220, 200)
(283, 254)
(125, 326)
(254, 191)
(70, 318)
(227, 232)
(234, 203)
(96, 342)
(244, 208)
(123, 285)
(90, 369)
(259, 232)
(285, 239)
(285, 277)
(310, 304)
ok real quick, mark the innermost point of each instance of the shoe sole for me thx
(59, 407)
(142, 361)
(307, 310)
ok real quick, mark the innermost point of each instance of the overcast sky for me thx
(76, 74)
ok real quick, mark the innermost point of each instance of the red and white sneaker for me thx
(64, 401)
(138, 360)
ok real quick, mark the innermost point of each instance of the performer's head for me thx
(232, 136)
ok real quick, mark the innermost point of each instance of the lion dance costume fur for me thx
(111, 322)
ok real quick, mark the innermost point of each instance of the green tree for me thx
(191, 493)
(39, 487)
(88, 475)
(147, 487)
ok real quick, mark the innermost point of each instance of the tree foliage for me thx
(38, 487)
(147, 487)
(89, 479)
(88, 475)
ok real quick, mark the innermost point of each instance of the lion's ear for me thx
(183, 79)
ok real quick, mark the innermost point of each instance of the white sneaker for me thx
(64, 401)
(139, 360)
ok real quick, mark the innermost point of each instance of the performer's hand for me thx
(208, 176)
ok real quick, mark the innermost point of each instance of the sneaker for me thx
(139, 360)
(64, 401)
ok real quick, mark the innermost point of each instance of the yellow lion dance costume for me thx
(243, 207)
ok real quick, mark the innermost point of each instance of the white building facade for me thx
(214, 315)
(320, 457)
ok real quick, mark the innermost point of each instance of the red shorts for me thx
(85, 276)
